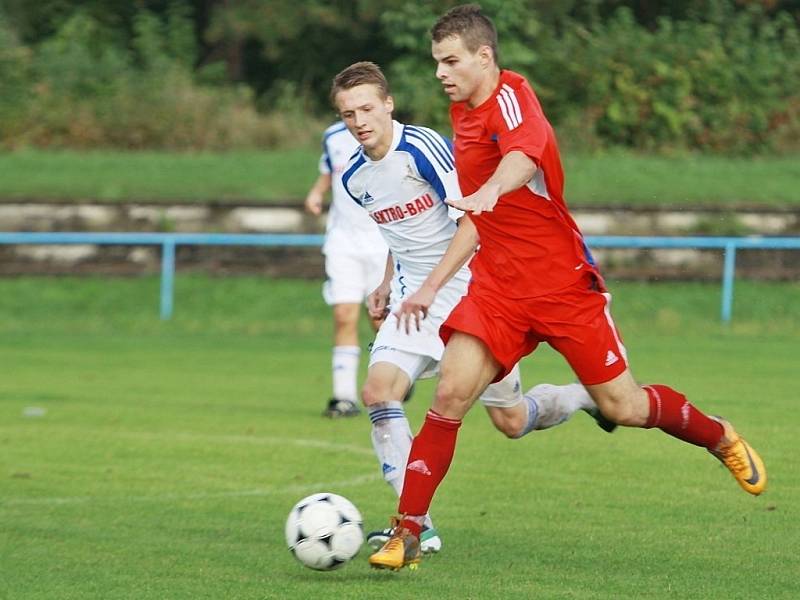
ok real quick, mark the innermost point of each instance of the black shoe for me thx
(341, 408)
(602, 422)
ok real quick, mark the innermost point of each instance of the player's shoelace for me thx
(733, 458)
(393, 544)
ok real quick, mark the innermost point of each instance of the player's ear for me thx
(485, 55)
(389, 103)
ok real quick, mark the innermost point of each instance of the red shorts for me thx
(575, 321)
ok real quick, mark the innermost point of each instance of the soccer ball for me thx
(324, 531)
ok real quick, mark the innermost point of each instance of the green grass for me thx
(169, 454)
(615, 178)
(624, 178)
(158, 176)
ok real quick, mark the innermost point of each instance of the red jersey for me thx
(529, 244)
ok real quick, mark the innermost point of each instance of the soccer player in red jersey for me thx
(533, 280)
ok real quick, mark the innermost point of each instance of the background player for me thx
(355, 257)
(534, 280)
(401, 176)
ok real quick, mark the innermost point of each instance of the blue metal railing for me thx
(169, 241)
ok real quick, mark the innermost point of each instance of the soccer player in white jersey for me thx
(355, 258)
(401, 176)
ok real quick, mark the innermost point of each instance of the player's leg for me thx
(389, 378)
(627, 403)
(509, 412)
(385, 386)
(541, 407)
(344, 362)
(557, 403)
(593, 347)
(344, 292)
(466, 369)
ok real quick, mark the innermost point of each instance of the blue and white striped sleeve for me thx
(325, 163)
(433, 157)
(325, 166)
(352, 167)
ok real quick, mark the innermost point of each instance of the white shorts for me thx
(425, 342)
(416, 366)
(351, 276)
(505, 393)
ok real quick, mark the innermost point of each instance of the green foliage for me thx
(86, 88)
(710, 75)
(15, 75)
(718, 79)
(726, 82)
(418, 96)
(300, 44)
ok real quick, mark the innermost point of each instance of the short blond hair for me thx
(360, 73)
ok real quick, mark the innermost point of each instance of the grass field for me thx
(615, 178)
(141, 459)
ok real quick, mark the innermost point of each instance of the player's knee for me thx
(373, 393)
(510, 427)
(344, 317)
(449, 399)
(617, 409)
(511, 423)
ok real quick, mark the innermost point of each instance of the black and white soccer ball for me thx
(324, 531)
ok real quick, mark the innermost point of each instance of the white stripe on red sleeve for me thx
(512, 95)
(507, 113)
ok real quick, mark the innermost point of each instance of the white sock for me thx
(391, 440)
(532, 406)
(557, 403)
(345, 372)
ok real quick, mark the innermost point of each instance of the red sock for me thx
(671, 412)
(428, 462)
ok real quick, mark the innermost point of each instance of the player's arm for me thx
(459, 251)
(317, 192)
(515, 170)
(378, 300)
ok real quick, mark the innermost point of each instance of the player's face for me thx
(461, 72)
(368, 116)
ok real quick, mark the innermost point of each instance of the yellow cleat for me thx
(742, 461)
(401, 550)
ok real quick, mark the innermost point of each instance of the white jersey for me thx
(347, 224)
(404, 193)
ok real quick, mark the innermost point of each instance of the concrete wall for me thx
(685, 264)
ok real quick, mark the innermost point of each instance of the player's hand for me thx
(484, 200)
(378, 302)
(414, 309)
(313, 203)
